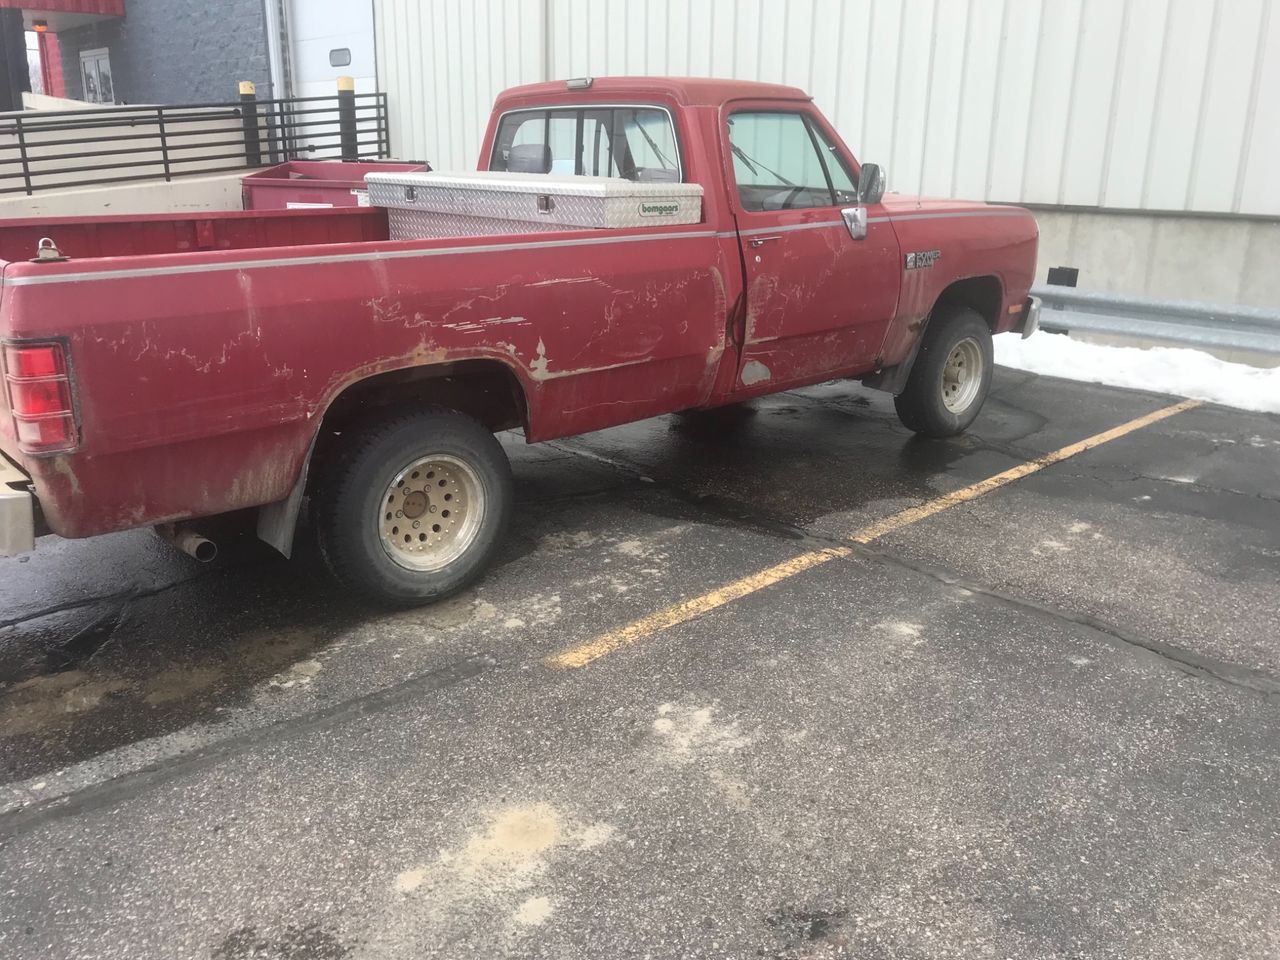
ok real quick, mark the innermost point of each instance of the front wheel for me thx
(951, 376)
(415, 509)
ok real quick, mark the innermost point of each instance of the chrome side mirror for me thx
(855, 218)
(871, 183)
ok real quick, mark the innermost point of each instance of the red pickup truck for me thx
(160, 370)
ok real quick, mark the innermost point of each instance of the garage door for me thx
(330, 39)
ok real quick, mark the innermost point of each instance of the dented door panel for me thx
(819, 301)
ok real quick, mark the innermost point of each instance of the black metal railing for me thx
(43, 150)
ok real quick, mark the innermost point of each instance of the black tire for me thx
(923, 404)
(348, 505)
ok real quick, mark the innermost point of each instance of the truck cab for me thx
(862, 268)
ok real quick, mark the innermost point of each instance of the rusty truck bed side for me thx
(209, 371)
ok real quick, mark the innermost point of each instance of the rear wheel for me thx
(951, 376)
(416, 508)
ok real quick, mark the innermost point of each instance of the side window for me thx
(637, 143)
(841, 176)
(777, 163)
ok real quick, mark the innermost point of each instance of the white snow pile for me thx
(1173, 370)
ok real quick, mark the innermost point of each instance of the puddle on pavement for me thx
(48, 703)
(781, 464)
(84, 681)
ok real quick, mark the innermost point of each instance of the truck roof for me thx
(688, 91)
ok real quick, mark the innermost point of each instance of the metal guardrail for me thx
(1186, 322)
(44, 150)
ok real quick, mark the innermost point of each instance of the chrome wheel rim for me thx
(431, 513)
(962, 375)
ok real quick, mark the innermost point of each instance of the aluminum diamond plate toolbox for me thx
(489, 202)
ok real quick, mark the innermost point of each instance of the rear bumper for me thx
(1030, 321)
(17, 511)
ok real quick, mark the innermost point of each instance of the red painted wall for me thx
(51, 66)
(106, 8)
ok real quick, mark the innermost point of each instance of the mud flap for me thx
(278, 521)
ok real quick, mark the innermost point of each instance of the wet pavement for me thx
(1044, 723)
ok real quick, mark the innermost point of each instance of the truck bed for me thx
(150, 234)
(205, 349)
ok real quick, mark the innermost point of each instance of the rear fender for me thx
(489, 390)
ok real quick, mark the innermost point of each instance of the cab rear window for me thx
(635, 143)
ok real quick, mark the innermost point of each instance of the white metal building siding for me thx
(442, 63)
(1122, 104)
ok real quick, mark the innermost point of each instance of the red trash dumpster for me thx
(300, 184)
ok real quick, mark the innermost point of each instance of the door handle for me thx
(760, 241)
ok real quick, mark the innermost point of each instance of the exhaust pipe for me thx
(188, 541)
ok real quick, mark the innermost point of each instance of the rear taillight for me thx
(39, 389)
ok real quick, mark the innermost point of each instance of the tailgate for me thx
(8, 437)
(17, 504)
(17, 511)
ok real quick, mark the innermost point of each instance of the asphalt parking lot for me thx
(1037, 719)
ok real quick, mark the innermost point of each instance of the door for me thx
(95, 72)
(819, 301)
(330, 39)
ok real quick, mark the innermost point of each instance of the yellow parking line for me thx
(582, 655)
(975, 490)
(585, 653)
